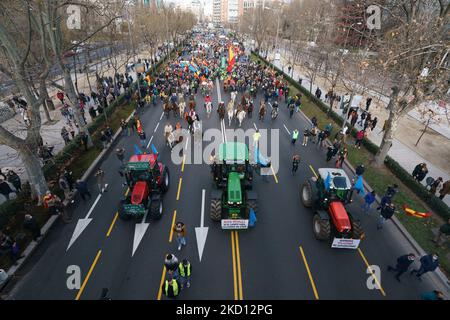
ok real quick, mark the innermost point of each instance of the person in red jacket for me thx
(359, 139)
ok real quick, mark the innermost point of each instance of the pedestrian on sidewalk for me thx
(445, 190)
(124, 126)
(436, 186)
(386, 213)
(295, 134)
(359, 171)
(368, 102)
(82, 188)
(443, 232)
(318, 93)
(374, 123)
(65, 135)
(84, 140)
(31, 225)
(369, 199)
(103, 139)
(171, 264)
(14, 179)
(306, 134)
(109, 134)
(420, 172)
(185, 269)
(403, 263)
(100, 176)
(295, 163)
(428, 263)
(180, 230)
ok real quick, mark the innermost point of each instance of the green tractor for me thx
(232, 199)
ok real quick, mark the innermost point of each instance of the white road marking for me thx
(162, 115)
(256, 128)
(156, 127)
(149, 142)
(287, 129)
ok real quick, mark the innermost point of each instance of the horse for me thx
(221, 111)
(230, 113)
(241, 116)
(208, 109)
(181, 108)
(167, 109)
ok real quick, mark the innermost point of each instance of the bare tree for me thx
(415, 53)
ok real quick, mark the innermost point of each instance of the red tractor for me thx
(328, 194)
(148, 180)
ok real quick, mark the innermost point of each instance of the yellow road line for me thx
(173, 223)
(182, 164)
(163, 277)
(371, 271)
(126, 192)
(311, 280)
(238, 263)
(312, 169)
(112, 224)
(233, 253)
(179, 188)
(274, 175)
(88, 275)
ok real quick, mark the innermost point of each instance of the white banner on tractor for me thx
(342, 243)
(234, 224)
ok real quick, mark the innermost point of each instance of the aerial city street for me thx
(225, 150)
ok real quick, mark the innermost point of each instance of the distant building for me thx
(227, 11)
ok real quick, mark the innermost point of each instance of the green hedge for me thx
(436, 204)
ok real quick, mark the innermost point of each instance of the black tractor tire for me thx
(216, 210)
(165, 180)
(156, 209)
(122, 214)
(321, 228)
(357, 230)
(306, 194)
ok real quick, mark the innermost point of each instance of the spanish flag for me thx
(414, 213)
(231, 58)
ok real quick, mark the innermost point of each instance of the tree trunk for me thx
(49, 101)
(73, 99)
(46, 112)
(391, 126)
(34, 171)
(423, 132)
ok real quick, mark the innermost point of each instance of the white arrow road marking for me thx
(139, 232)
(201, 232)
(84, 222)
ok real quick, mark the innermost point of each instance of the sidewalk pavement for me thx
(401, 153)
(51, 133)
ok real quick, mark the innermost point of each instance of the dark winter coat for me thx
(428, 264)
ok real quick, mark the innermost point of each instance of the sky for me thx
(208, 4)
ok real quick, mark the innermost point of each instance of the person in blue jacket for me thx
(432, 295)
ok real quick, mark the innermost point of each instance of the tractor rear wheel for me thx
(321, 228)
(156, 209)
(165, 180)
(306, 194)
(357, 231)
(216, 210)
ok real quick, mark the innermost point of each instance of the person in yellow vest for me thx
(170, 288)
(184, 269)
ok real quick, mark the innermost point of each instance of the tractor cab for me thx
(334, 185)
(232, 201)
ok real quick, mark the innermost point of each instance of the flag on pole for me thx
(137, 150)
(231, 58)
(359, 185)
(327, 182)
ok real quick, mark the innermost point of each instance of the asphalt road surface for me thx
(277, 259)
